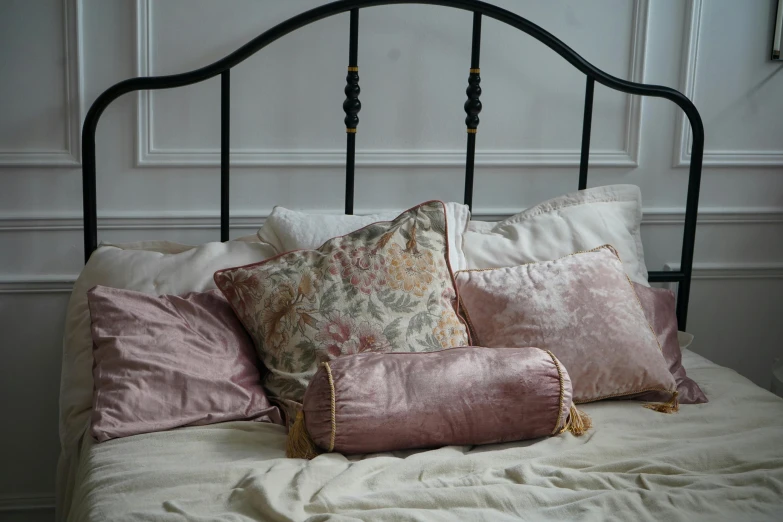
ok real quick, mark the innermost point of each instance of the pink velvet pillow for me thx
(659, 307)
(584, 309)
(168, 361)
(375, 402)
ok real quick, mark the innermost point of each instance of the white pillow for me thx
(578, 221)
(153, 267)
(287, 230)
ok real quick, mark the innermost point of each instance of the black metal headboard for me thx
(352, 106)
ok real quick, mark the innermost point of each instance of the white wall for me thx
(157, 174)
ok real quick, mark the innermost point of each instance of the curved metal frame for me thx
(352, 106)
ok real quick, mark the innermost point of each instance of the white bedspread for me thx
(718, 461)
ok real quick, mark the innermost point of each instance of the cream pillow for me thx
(287, 230)
(574, 222)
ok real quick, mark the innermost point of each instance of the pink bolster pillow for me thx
(374, 402)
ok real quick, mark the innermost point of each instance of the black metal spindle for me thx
(691, 218)
(473, 108)
(351, 106)
(225, 150)
(587, 124)
(89, 200)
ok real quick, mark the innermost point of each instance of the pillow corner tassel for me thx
(299, 444)
(578, 422)
(672, 406)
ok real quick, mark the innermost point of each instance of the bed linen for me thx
(717, 461)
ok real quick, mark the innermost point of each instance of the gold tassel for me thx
(299, 445)
(672, 406)
(578, 422)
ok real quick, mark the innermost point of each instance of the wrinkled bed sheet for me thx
(717, 461)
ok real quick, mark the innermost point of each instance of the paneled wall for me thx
(157, 153)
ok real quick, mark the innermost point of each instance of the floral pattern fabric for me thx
(386, 287)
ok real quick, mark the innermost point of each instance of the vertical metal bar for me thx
(587, 124)
(475, 49)
(225, 150)
(351, 106)
(691, 217)
(89, 200)
(472, 108)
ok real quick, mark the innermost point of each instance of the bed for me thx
(717, 461)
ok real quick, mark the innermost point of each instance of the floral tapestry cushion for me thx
(387, 287)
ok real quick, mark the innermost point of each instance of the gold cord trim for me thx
(464, 311)
(351, 131)
(334, 417)
(475, 71)
(649, 325)
(472, 131)
(354, 68)
(625, 394)
(562, 395)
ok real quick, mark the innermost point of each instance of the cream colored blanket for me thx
(718, 461)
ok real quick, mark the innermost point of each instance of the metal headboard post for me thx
(225, 150)
(352, 107)
(587, 125)
(473, 108)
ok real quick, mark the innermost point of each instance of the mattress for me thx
(717, 461)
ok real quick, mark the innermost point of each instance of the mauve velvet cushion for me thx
(395, 401)
(659, 307)
(584, 309)
(167, 361)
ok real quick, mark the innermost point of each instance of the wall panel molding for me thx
(689, 79)
(147, 155)
(28, 284)
(251, 221)
(48, 284)
(26, 503)
(733, 270)
(74, 96)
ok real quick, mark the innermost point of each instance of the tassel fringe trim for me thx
(578, 422)
(672, 406)
(299, 445)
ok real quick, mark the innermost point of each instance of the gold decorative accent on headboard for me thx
(475, 71)
(353, 68)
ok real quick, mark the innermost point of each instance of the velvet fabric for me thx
(168, 361)
(469, 395)
(584, 309)
(659, 308)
